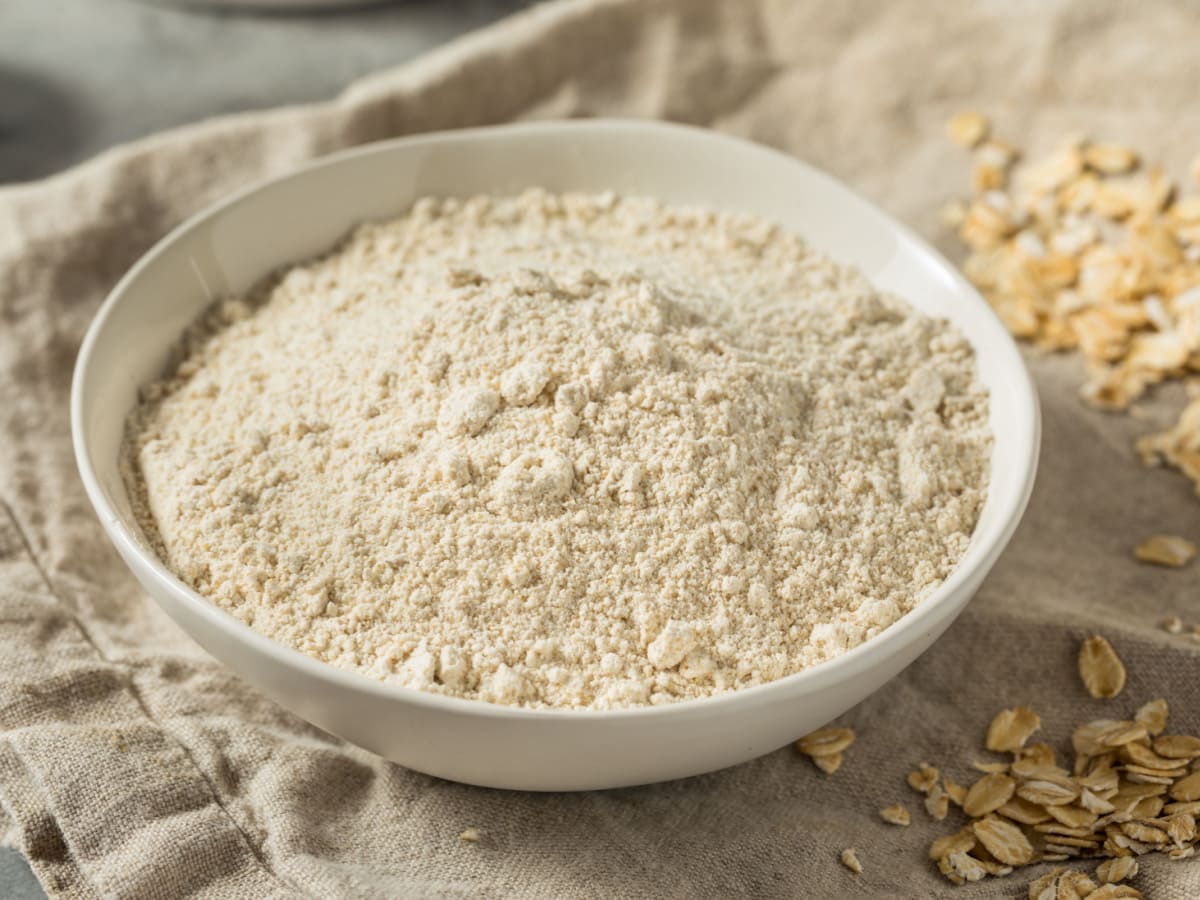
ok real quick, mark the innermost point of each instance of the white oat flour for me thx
(565, 451)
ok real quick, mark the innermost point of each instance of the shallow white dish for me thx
(231, 245)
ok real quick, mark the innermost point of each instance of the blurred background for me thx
(78, 76)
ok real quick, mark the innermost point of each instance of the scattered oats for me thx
(1153, 716)
(1076, 818)
(1146, 808)
(1004, 840)
(1187, 789)
(1110, 159)
(1177, 746)
(1021, 810)
(1011, 729)
(828, 762)
(988, 794)
(1113, 870)
(996, 868)
(1058, 831)
(996, 154)
(1172, 625)
(1063, 850)
(1036, 759)
(1080, 251)
(850, 861)
(1046, 887)
(1179, 445)
(955, 791)
(985, 226)
(1072, 885)
(987, 177)
(1122, 733)
(960, 868)
(896, 814)
(953, 213)
(967, 129)
(1146, 834)
(960, 841)
(1089, 739)
(1103, 779)
(1100, 668)
(1130, 794)
(1115, 892)
(1049, 790)
(1059, 169)
(923, 779)
(1114, 806)
(1136, 754)
(470, 836)
(937, 803)
(825, 747)
(1186, 209)
(1166, 550)
(825, 742)
(1181, 828)
(1142, 775)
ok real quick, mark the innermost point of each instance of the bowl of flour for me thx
(557, 456)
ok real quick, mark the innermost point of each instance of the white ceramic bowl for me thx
(230, 246)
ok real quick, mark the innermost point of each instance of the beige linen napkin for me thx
(132, 765)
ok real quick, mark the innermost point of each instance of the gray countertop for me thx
(78, 76)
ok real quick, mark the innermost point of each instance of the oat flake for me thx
(1100, 668)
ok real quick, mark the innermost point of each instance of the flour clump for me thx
(565, 451)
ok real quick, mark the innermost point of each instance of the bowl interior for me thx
(228, 248)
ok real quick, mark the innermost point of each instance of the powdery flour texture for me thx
(565, 451)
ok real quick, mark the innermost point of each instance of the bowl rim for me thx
(844, 667)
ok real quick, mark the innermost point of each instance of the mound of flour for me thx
(565, 451)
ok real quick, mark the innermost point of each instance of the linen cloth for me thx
(134, 766)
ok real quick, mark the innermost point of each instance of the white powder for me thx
(566, 451)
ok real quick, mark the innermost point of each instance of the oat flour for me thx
(565, 451)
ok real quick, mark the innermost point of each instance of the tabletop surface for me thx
(78, 76)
